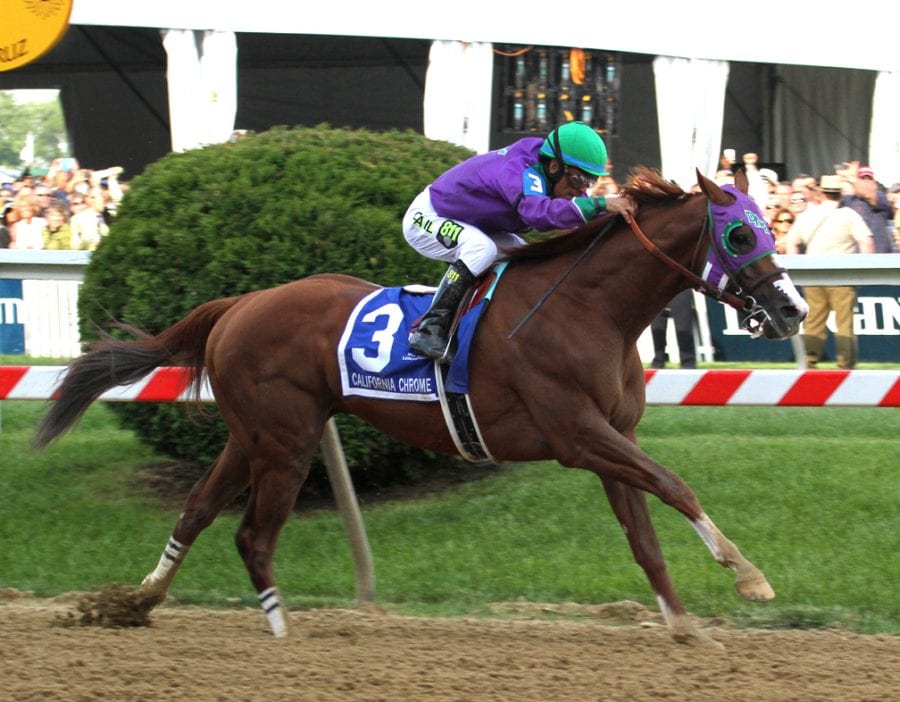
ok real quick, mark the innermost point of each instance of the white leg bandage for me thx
(272, 605)
(169, 562)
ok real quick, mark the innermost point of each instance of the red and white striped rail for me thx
(785, 388)
(811, 388)
(167, 384)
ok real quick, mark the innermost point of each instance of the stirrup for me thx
(424, 345)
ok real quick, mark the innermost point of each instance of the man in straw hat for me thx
(830, 229)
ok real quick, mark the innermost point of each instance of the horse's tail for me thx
(111, 362)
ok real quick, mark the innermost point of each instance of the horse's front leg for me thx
(612, 456)
(630, 507)
(749, 580)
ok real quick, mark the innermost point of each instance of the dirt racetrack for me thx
(343, 655)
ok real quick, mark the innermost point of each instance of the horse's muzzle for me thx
(781, 322)
(779, 312)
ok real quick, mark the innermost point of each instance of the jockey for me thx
(476, 210)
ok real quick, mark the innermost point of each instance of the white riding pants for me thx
(451, 240)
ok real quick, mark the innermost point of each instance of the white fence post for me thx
(50, 315)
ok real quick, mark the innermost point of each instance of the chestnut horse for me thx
(552, 376)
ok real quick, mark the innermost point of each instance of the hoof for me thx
(684, 631)
(755, 589)
(154, 599)
(151, 590)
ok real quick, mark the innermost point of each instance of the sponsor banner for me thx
(876, 323)
(12, 326)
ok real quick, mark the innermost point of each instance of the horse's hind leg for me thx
(277, 475)
(217, 488)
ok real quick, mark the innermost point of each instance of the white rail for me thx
(857, 269)
(50, 308)
(43, 265)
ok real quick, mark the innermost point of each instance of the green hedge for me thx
(252, 214)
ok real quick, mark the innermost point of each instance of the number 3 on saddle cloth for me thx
(375, 359)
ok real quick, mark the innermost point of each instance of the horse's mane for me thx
(645, 186)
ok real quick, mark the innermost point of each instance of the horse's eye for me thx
(739, 241)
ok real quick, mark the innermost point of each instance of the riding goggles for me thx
(580, 180)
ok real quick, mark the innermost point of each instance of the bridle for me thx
(696, 281)
(756, 317)
(741, 300)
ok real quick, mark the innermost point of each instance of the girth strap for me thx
(461, 423)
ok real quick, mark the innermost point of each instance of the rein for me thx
(696, 281)
(729, 298)
(540, 303)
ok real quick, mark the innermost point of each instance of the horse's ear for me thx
(713, 191)
(741, 182)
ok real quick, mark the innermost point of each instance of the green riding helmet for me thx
(576, 144)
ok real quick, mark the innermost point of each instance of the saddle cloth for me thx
(374, 355)
(375, 359)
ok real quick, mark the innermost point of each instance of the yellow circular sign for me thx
(30, 28)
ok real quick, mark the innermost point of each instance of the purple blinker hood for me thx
(723, 261)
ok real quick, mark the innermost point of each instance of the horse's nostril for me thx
(792, 312)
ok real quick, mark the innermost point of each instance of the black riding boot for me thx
(430, 339)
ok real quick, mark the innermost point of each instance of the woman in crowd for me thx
(782, 219)
(57, 233)
(5, 223)
(27, 232)
(90, 225)
(77, 203)
(772, 208)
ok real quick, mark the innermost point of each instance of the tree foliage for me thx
(253, 214)
(43, 119)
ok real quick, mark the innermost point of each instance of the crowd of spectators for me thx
(783, 201)
(844, 212)
(66, 208)
(71, 207)
(847, 211)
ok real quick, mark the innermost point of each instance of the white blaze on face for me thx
(786, 285)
